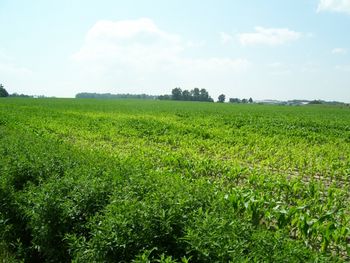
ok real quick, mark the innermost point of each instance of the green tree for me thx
(235, 100)
(250, 100)
(222, 98)
(176, 94)
(195, 94)
(186, 95)
(164, 97)
(315, 102)
(204, 95)
(3, 92)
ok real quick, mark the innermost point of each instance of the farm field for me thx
(165, 181)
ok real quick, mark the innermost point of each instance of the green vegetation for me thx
(237, 100)
(185, 95)
(222, 98)
(3, 91)
(169, 181)
(87, 95)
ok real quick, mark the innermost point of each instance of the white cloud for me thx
(9, 67)
(275, 65)
(283, 69)
(342, 6)
(345, 68)
(126, 29)
(310, 67)
(131, 40)
(138, 54)
(279, 69)
(225, 38)
(339, 51)
(193, 44)
(14, 70)
(15, 77)
(268, 36)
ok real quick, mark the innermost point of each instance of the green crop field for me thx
(164, 181)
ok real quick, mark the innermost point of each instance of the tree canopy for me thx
(237, 100)
(222, 98)
(3, 91)
(84, 95)
(195, 94)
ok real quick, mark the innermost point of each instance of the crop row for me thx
(99, 184)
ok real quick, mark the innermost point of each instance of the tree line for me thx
(195, 94)
(237, 100)
(4, 93)
(85, 95)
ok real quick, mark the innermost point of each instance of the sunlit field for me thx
(165, 181)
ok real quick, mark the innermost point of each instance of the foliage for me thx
(162, 181)
(237, 100)
(186, 95)
(315, 102)
(3, 92)
(87, 95)
(176, 94)
(222, 98)
(20, 95)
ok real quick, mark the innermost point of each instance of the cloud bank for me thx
(137, 53)
(339, 51)
(268, 36)
(341, 6)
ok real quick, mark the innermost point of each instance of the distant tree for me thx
(186, 95)
(203, 95)
(221, 98)
(164, 97)
(20, 95)
(192, 95)
(87, 95)
(195, 94)
(176, 94)
(315, 102)
(235, 100)
(250, 100)
(3, 92)
(244, 101)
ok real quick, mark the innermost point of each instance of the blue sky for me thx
(262, 49)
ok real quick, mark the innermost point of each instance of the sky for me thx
(271, 49)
